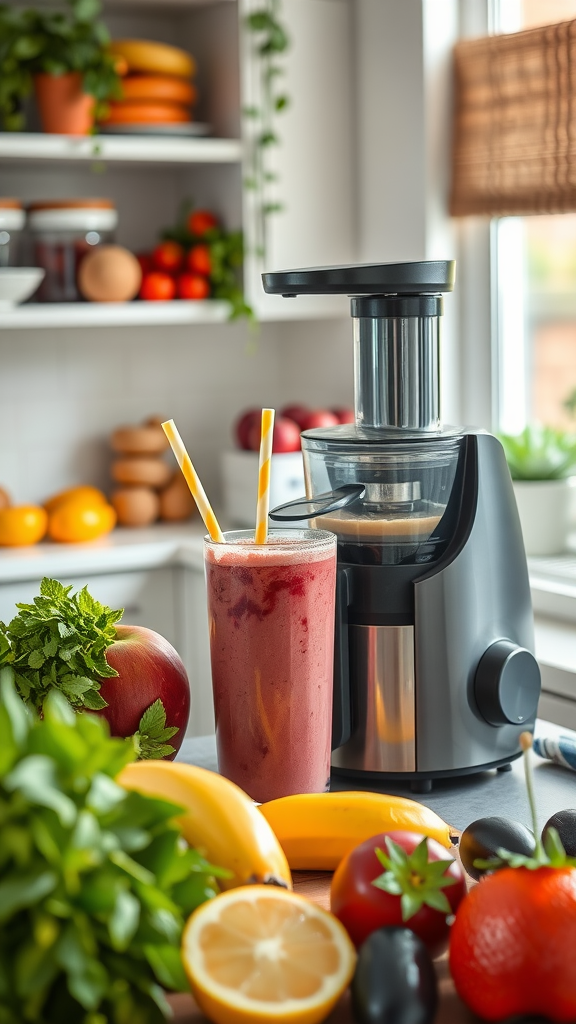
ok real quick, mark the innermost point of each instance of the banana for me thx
(219, 819)
(152, 57)
(316, 830)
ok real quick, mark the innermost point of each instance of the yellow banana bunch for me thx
(316, 830)
(219, 819)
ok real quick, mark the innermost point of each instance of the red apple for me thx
(319, 418)
(244, 425)
(149, 668)
(344, 414)
(286, 436)
(295, 412)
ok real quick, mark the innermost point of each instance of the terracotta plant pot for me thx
(64, 108)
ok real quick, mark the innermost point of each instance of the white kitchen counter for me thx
(124, 549)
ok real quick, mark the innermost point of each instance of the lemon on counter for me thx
(260, 954)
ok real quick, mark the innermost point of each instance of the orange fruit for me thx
(85, 492)
(261, 954)
(22, 524)
(145, 112)
(77, 520)
(159, 87)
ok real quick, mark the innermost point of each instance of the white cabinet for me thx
(149, 178)
(147, 596)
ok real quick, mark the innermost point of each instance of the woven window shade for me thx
(514, 140)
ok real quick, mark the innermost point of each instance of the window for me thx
(535, 275)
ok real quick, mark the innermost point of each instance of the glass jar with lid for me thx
(63, 231)
(12, 220)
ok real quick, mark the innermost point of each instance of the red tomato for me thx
(362, 907)
(145, 261)
(157, 287)
(201, 221)
(198, 260)
(512, 945)
(192, 286)
(168, 256)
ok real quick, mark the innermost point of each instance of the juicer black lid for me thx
(424, 277)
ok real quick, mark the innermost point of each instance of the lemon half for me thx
(257, 953)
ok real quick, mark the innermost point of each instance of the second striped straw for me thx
(264, 467)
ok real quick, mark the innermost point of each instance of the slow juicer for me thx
(434, 671)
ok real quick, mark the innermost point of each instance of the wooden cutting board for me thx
(316, 886)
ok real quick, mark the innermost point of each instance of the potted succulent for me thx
(63, 57)
(541, 462)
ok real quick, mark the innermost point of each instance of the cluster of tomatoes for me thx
(172, 272)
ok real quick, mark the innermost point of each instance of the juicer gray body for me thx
(435, 672)
(424, 702)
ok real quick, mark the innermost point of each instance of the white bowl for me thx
(17, 284)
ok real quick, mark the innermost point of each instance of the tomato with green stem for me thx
(398, 878)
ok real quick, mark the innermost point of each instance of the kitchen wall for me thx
(62, 392)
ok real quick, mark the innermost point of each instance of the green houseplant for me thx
(62, 56)
(542, 461)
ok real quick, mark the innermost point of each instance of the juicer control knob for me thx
(507, 684)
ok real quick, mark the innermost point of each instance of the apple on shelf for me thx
(239, 468)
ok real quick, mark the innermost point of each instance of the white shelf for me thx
(113, 314)
(151, 149)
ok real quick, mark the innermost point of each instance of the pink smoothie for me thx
(271, 615)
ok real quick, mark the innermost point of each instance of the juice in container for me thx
(271, 616)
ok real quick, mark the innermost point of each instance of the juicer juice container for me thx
(434, 667)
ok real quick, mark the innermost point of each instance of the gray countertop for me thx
(460, 801)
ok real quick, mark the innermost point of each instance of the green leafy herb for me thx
(414, 878)
(95, 881)
(152, 736)
(35, 41)
(540, 453)
(59, 641)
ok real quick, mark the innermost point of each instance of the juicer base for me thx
(421, 782)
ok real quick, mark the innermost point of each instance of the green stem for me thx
(526, 744)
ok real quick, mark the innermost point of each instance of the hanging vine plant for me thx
(270, 41)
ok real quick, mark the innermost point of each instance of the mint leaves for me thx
(152, 733)
(95, 881)
(59, 642)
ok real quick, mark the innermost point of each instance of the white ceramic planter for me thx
(544, 507)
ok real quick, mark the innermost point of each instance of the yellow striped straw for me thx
(193, 481)
(261, 535)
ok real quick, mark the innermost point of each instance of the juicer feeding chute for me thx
(396, 310)
(434, 671)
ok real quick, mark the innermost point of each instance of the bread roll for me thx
(176, 502)
(146, 472)
(146, 440)
(135, 506)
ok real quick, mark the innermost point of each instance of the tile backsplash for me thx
(63, 391)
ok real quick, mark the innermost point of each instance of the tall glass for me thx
(271, 616)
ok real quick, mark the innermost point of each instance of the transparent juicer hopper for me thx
(406, 487)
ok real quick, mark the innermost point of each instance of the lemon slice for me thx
(257, 953)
